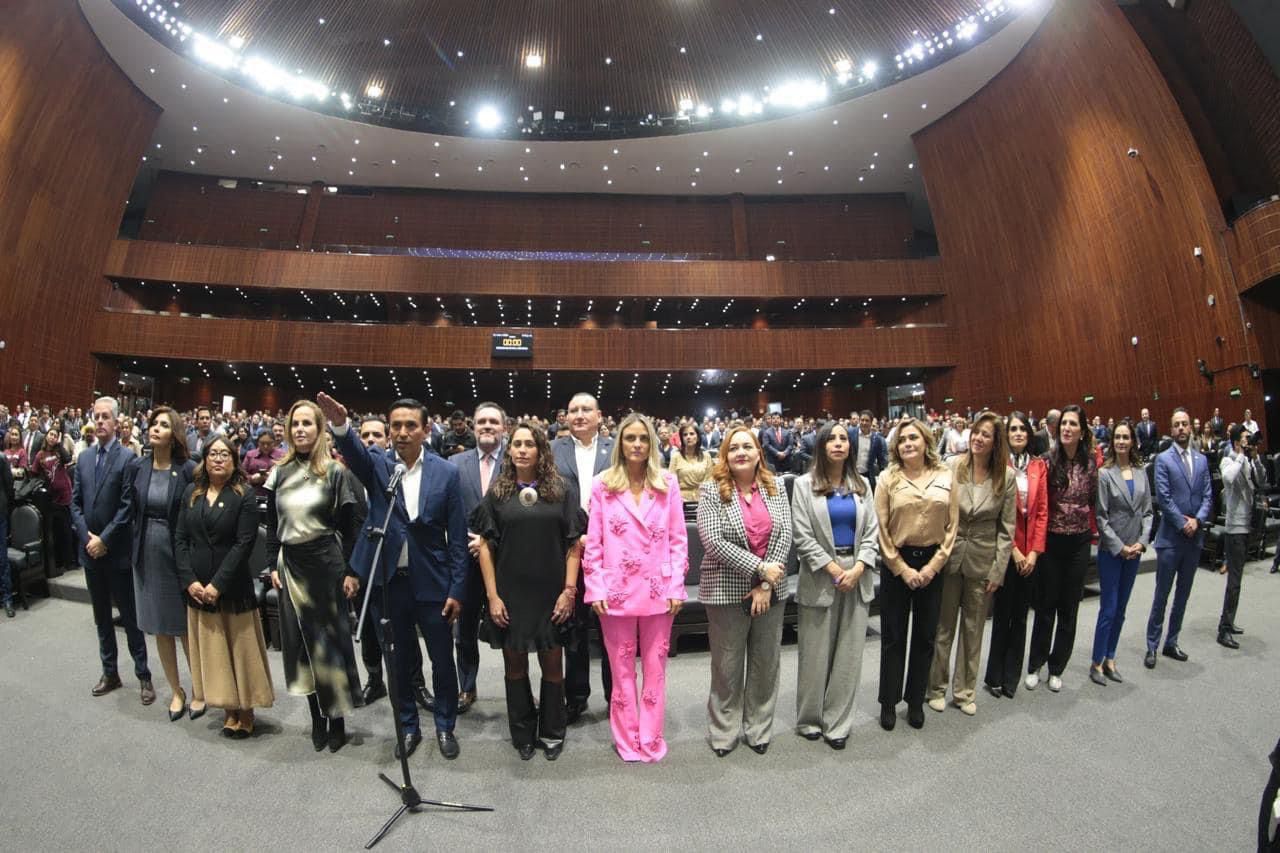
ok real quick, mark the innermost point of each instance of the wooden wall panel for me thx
(72, 132)
(148, 261)
(1058, 248)
(194, 209)
(287, 342)
(1253, 243)
(838, 228)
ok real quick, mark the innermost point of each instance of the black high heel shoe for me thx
(337, 733)
(174, 716)
(197, 714)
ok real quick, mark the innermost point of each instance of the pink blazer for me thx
(636, 556)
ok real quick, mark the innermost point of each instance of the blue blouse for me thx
(844, 518)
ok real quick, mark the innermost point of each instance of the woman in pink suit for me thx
(637, 553)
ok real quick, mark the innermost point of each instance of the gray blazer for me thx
(816, 549)
(1122, 520)
(1239, 489)
(984, 535)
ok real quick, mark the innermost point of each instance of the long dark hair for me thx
(177, 442)
(849, 476)
(236, 481)
(701, 454)
(550, 483)
(1058, 461)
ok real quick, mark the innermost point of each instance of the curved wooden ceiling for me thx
(443, 50)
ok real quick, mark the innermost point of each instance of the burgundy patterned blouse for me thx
(1069, 507)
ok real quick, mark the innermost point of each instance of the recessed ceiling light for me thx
(386, 42)
(533, 60)
(737, 171)
(460, 54)
(608, 60)
(759, 37)
(657, 168)
(226, 100)
(321, 22)
(924, 106)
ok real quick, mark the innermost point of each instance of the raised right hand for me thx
(334, 412)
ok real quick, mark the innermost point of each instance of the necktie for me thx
(486, 470)
(102, 456)
(777, 434)
(1186, 461)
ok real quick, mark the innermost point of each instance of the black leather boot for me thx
(319, 726)
(552, 718)
(522, 716)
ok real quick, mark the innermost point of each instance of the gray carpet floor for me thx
(1174, 759)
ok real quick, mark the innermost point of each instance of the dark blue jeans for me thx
(1115, 577)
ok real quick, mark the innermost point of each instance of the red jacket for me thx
(1033, 521)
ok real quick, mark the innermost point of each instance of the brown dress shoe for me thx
(106, 684)
(148, 692)
(465, 701)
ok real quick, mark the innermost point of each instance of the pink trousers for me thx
(635, 715)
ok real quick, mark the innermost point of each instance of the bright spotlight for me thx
(213, 53)
(487, 118)
(533, 60)
(869, 70)
(797, 94)
(685, 105)
(374, 91)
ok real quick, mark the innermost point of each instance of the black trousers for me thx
(371, 649)
(467, 629)
(1009, 631)
(900, 607)
(1235, 547)
(577, 657)
(1058, 587)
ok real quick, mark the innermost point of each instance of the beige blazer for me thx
(984, 538)
(815, 544)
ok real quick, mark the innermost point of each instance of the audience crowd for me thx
(525, 532)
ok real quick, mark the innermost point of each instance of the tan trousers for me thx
(963, 600)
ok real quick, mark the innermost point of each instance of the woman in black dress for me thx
(314, 513)
(530, 522)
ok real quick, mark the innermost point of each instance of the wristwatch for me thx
(766, 586)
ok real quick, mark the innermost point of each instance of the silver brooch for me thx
(528, 496)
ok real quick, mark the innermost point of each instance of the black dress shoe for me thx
(553, 752)
(8, 610)
(1113, 674)
(811, 735)
(1149, 661)
(1008, 691)
(147, 691)
(1096, 676)
(994, 690)
(374, 690)
(465, 701)
(888, 717)
(106, 684)
(1235, 629)
(759, 748)
(1174, 652)
(574, 710)
(915, 716)
(720, 753)
(837, 742)
(526, 751)
(197, 713)
(1225, 639)
(425, 700)
(337, 733)
(448, 745)
(409, 745)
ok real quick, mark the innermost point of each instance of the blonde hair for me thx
(999, 464)
(931, 459)
(322, 452)
(724, 478)
(615, 477)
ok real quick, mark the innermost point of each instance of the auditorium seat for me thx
(268, 595)
(25, 550)
(692, 618)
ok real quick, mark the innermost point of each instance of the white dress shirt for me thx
(864, 452)
(585, 455)
(410, 487)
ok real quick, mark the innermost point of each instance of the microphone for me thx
(396, 477)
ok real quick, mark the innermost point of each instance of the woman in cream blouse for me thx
(691, 464)
(987, 494)
(918, 513)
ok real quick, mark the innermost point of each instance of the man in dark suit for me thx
(778, 443)
(579, 457)
(1218, 425)
(102, 509)
(201, 435)
(869, 451)
(1148, 435)
(423, 560)
(478, 469)
(373, 434)
(1184, 494)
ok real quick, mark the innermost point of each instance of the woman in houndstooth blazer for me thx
(744, 521)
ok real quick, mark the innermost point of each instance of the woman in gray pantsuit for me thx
(837, 538)
(744, 521)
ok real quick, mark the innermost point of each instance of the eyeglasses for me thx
(217, 454)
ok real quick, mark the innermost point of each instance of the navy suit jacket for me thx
(437, 538)
(769, 442)
(1179, 495)
(877, 459)
(468, 464)
(1148, 437)
(181, 476)
(565, 452)
(105, 506)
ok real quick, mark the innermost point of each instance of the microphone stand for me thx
(410, 800)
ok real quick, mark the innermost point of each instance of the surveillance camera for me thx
(1133, 153)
